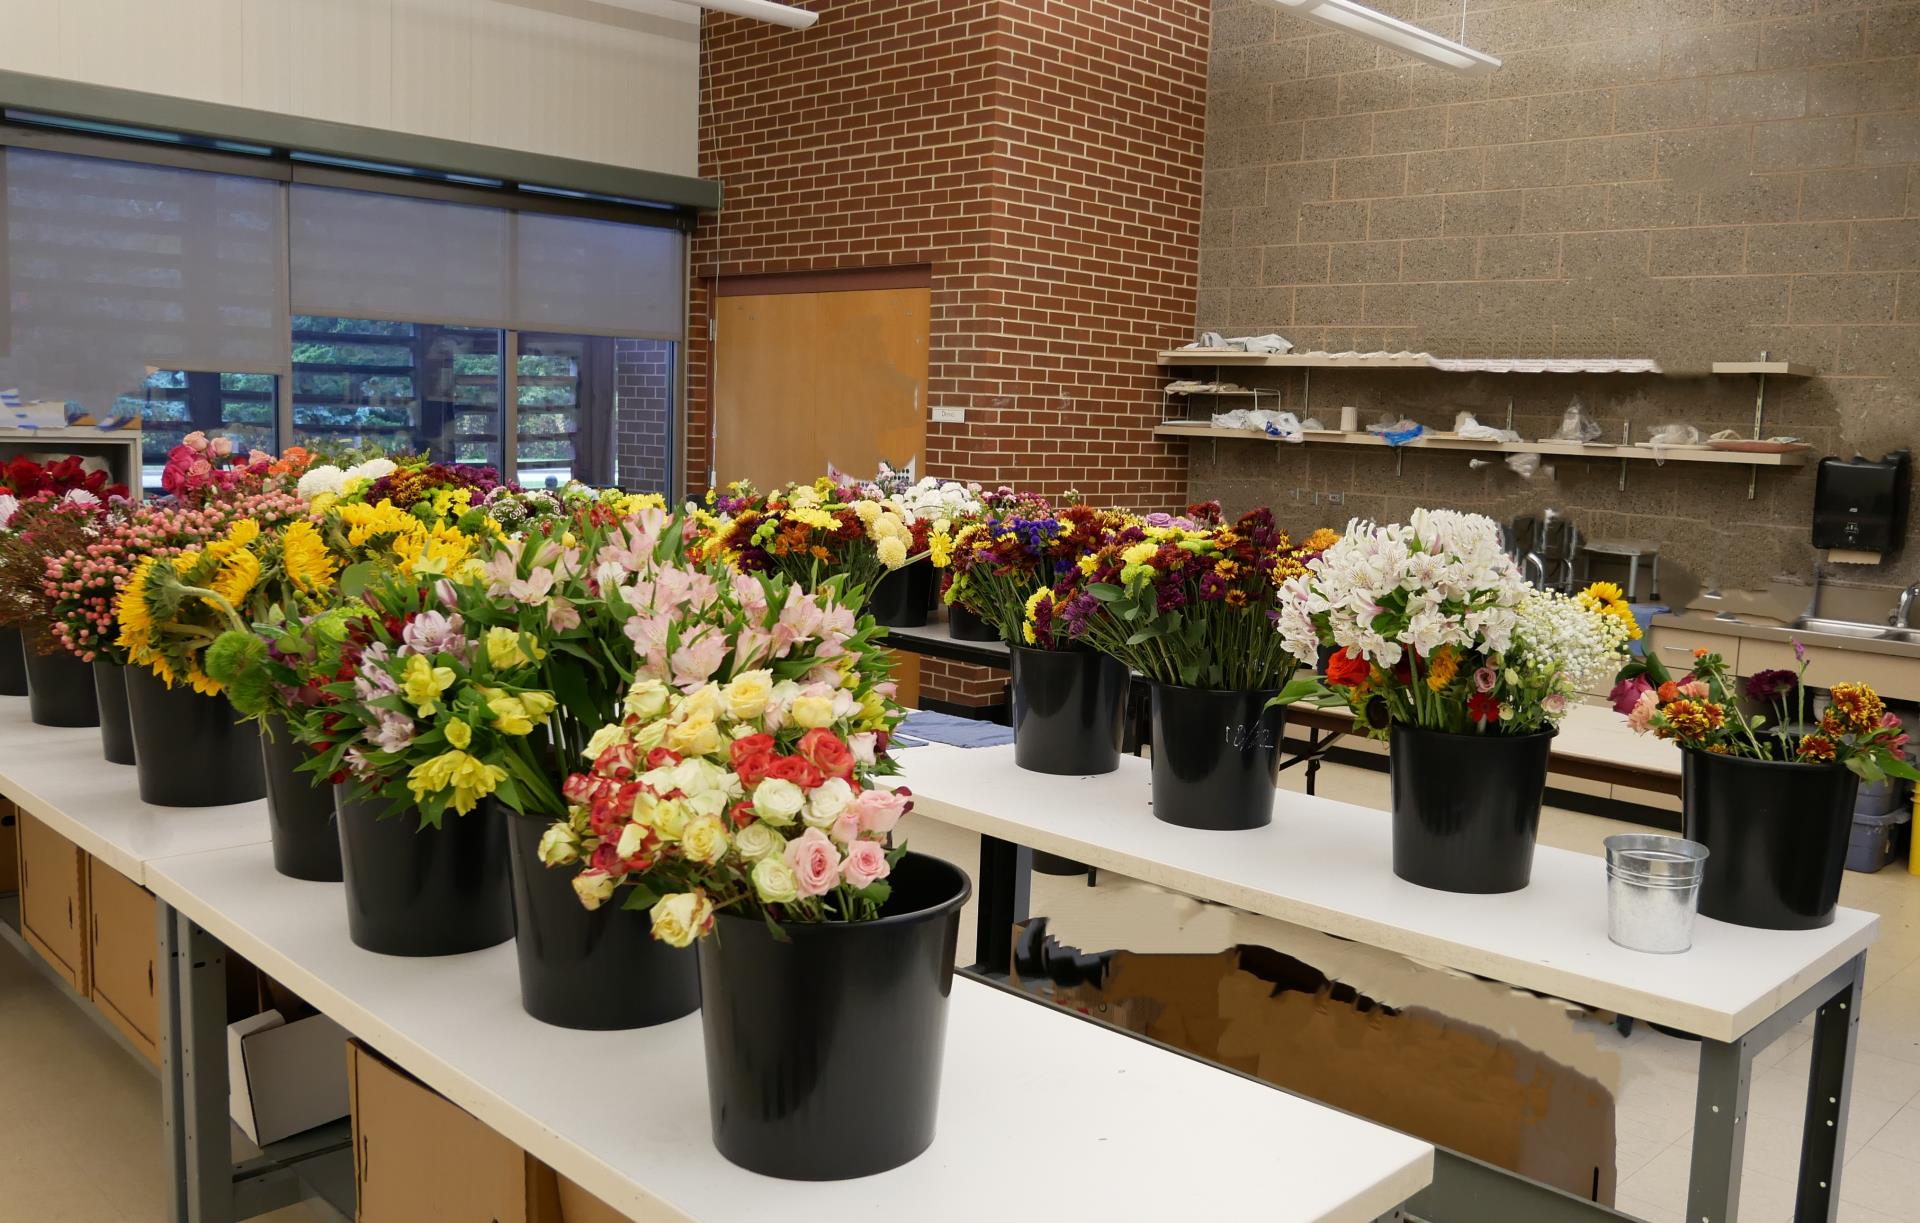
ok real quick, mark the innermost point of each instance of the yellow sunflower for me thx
(304, 556)
(239, 574)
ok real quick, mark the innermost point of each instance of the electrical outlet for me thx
(1336, 498)
(950, 416)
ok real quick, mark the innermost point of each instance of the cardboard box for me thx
(123, 939)
(1454, 1084)
(285, 1078)
(53, 900)
(417, 1156)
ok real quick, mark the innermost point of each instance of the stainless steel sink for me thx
(1853, 628)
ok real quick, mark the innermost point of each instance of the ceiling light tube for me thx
(760, 10)
(1392, 32)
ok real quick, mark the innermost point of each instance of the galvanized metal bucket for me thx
(1653, 891)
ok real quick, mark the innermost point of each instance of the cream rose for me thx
(812, 711)
(607, 736)
(747, 694)
(774, 881)
(681, 917)
(708, 700)
(633, 838)
(778, 801)
(647, 698)
(757, 841)
(704, 839)
(593, 887)
(828, 800)
(559, 846)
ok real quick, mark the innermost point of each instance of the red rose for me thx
(662, 758)
(1347, 670)
(751, 756)
(827, 752)
(795, 770)
(742, 814)
(616, 761)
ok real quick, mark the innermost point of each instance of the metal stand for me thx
(193, 1071)
(1006, 881)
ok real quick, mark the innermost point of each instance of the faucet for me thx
(1904, 608)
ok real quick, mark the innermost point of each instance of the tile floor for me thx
(80, 1129)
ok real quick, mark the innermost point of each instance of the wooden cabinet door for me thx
(124, 945)
(9, 848)
(53, 909)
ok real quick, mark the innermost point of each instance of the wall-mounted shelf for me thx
(1785, 369)
(1442, 441)
(1294, 360)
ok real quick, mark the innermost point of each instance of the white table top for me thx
(58, 776)
(1327, 866)
(1067, 1119)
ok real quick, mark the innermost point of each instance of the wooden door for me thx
(53, 910)
(806, 379)
(124, 945)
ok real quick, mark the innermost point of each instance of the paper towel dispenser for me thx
(1860, 504)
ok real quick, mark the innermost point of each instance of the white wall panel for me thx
(573, 78)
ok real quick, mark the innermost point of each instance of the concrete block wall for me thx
(1692, 180)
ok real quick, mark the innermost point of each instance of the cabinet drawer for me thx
(53, 899)
(1892, 677)
(124, 946)
(1674, 647)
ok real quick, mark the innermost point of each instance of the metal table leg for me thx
(193, 1071)
(1720, 1113)
(1005, 880)
(1823, 1143)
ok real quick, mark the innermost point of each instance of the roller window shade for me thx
(599, 277)
(113, 267)
(359, 254)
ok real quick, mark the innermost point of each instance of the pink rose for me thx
(1484, 679)
(846, 827)
(259, 458)
(1696, 689)
(879, 810)
(195, 440)
(200, 467)
(221, 447)
(815, 862)
(866, 864)
(1642, 716)
(1626, 693)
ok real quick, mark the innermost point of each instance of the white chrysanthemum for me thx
(325, 478)
(373, 469)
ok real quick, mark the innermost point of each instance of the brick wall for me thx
(643, 414)
(1041, 157)
(1686, 179)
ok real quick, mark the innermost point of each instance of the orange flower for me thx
(1702, 652)
(1669, 691)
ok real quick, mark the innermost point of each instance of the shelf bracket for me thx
(1626, 439)
(1399, 460)
(1759, 421)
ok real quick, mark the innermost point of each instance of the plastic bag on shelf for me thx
(1663, 437)
(1282, 425)
(1576, 425)
(1468, 426)
(1395, 431)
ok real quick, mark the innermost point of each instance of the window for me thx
(400, 387)
(176, 402)
(594, 409)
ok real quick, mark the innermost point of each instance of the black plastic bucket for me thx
(901, 597)
(13, 663)
(1777, 832)
(963, 625)
(1069, 710)
(1466, 808)
(1216, 757)
(416, 891)
(300, 813)
(60, 690)
(116, 724)
(824, 1051)
(189, 748)
(598, 969)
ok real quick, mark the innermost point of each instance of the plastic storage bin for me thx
(1870, 841)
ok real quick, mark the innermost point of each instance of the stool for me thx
(1632, 551)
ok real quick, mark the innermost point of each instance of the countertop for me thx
(1733, 626)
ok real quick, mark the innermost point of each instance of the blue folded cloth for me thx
(927, 726)
(1643, 614)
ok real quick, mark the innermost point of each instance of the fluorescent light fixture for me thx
(760, 10)
(1389, 32)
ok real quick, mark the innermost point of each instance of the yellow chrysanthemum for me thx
(304, 556)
